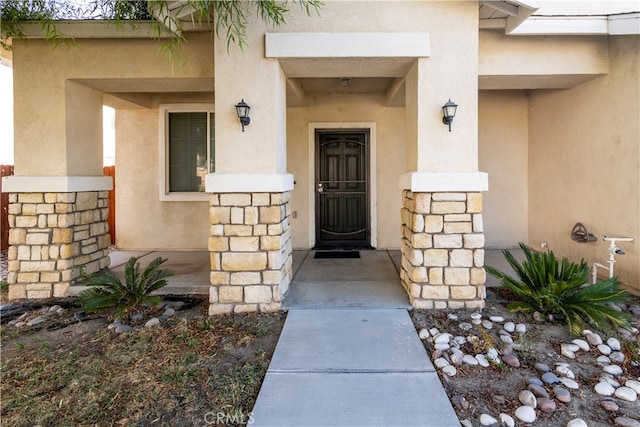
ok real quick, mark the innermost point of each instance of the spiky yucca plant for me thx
(106, 290)
(550, 286)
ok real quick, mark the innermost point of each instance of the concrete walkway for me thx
(347, 359)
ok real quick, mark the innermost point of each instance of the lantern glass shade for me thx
(449, 109)
(242, 109)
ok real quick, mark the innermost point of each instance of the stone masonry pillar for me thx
(54, 239)
(443, 249)
(250, 248)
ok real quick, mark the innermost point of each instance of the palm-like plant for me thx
(106, 290)
(550, 286)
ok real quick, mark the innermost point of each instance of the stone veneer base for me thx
(55, 238)
(250, 250)
(443, 249)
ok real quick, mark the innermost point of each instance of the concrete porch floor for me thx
(370, 281)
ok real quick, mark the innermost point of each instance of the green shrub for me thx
(106, 290)
(550, 286)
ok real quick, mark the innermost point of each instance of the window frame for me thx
(163, 173)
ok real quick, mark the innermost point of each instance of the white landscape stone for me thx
(603, 360)
(496, 319)
(565, 371)
(441, 362)
(492, 354)
(465, 326)
(566, 352)
(527, 398)
(569, 383)
(434, 331)
(584, 346)
(442, 346)
(509, 327)
(608, 378)
(521, 328)
(424, 334)
(614, 344)
(469, 360)
(482, 360)
(442, 338)
(604, 349)
(577, 422)
(487, 324)
(507, 420)
(457, 357)
(626, 393)
(506, 339)
(604, 389)
(571, 347)
(487, 420)
(450, 370)
(613, 369)
(617, 357)
(634, 385)
(594, 339)
(460, 340)
(526, 414)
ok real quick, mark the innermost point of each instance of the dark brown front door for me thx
(342, 189)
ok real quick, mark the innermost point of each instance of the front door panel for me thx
(342, 217)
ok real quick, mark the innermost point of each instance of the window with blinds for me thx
(190, 150)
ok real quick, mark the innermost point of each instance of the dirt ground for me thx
(191, 370)
(495, 389)
(196, 370)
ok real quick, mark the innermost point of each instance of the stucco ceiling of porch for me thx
(150, 92)
(312, 76)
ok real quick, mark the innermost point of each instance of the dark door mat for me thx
(336, 254)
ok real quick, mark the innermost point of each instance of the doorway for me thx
(342, 189)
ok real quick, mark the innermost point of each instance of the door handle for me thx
(320, 188)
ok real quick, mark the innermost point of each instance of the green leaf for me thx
(106, 290)
(551, 286)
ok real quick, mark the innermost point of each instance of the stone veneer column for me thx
(250, 248)
(443, 249)
(54, 238)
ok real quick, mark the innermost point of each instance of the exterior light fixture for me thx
(449, 112)
(242, 110)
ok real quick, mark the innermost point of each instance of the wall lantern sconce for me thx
(449, 112)
(242, 110)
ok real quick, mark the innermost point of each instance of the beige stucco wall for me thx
(584, 162)
(530, 62)
(452, 27)
(60, 133)
(390, 158)
(503, 141)
(142, 220)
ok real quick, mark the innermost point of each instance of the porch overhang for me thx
(379, 61)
